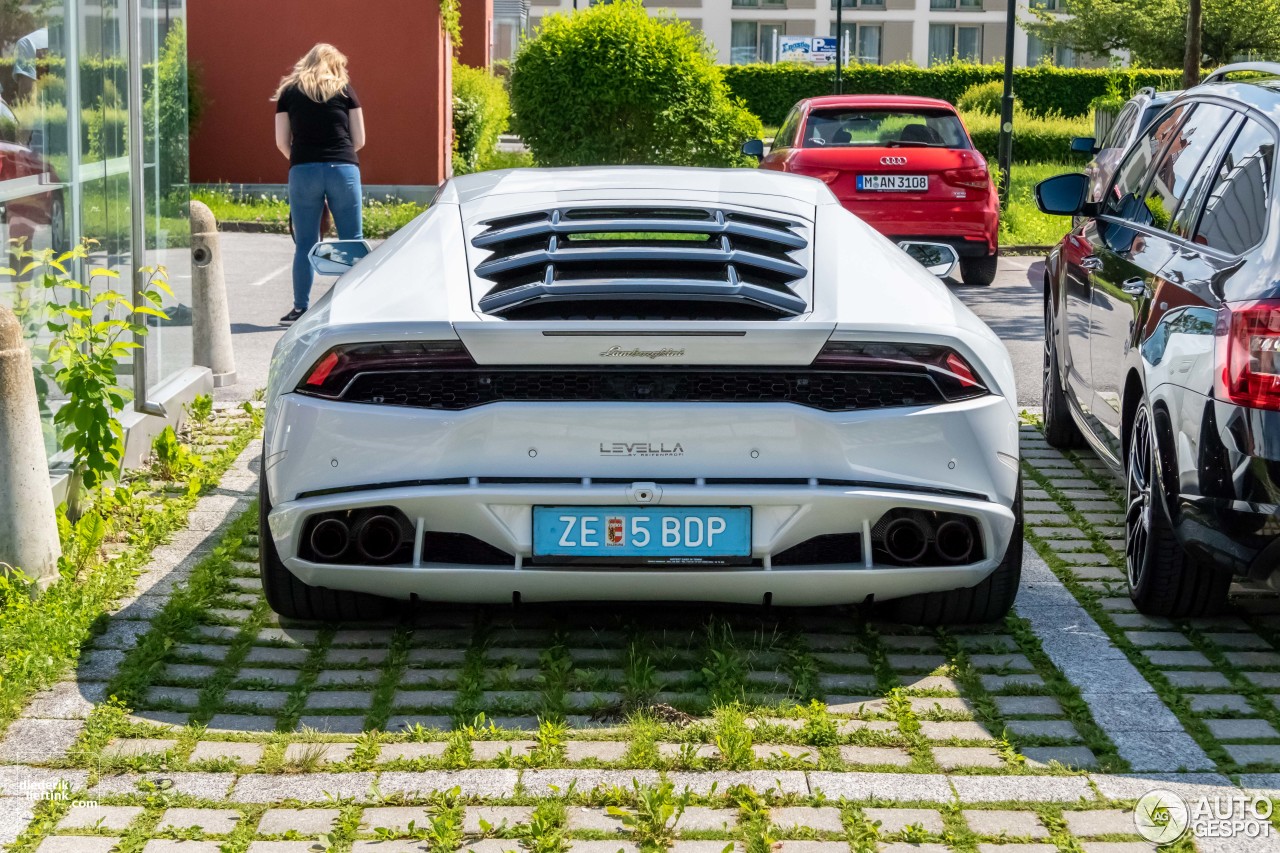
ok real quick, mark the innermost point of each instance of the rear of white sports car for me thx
(640, 384)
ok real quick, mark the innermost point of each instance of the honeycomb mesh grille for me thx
(463, 389)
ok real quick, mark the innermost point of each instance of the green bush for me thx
(771, 90)
(612, 85)
(481, 109)
(982, 98)
(1035, 139)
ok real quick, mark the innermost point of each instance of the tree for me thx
(1155, 31)
(611, 84)
(1191, 57)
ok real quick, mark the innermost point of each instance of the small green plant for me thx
(545, 831)
(549, 742)
(657, 811)
(170, 458)
(81, 541)
(725, 670)
(200, 410)
(92, 329)
(443, 829)
(819, 727)
(733, 737)
(915, 833)
(640, 675)
(982, 98)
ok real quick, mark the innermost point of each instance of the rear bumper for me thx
(782, 517)
(972, 228)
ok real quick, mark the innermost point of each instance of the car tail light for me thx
(1248, 354)
(331, 375)
(953, 374)
(827, 176)
(975, 177)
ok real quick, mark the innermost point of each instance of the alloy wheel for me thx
(1139, 497)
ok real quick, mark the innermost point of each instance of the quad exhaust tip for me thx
(906, 540)
(378, 537)
(954, 541)
(330, 538)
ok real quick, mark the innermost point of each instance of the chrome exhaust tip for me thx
(377, 537)
(906, 540)
(330, 538)
(954, 542)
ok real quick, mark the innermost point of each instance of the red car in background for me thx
(904, 165)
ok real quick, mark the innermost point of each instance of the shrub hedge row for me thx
(1035, 139)
(771, 90)
(481, 109)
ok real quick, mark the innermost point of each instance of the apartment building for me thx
(925, 32)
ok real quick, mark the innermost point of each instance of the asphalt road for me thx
(259, 293)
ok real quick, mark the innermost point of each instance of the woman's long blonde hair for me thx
(320, 75)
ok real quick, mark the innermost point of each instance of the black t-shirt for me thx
(321, 132)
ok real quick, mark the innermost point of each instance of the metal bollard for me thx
(28, 530)
(210, 319)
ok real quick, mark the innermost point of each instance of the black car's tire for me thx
(1059, 429)
(294, 599)
(979, 272)
(989, 601)
(1164, 580)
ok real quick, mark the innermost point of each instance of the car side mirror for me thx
(335, 257)
(1063, 195)
(753, 148)
(938, 258)
(1084, 145)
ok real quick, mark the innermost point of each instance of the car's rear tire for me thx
(1164, 580)
(979, 272)
(294, 599)
(989, 601)
(1059, 429)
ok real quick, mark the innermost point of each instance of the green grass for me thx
(381, 219)
(1021, 224)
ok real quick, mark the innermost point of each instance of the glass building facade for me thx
(65, 167)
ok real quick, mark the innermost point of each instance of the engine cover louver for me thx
(709, 262)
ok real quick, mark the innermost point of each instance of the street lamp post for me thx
(1005, 152)
(839, 46)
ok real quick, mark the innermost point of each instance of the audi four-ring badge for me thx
(641, 383)
(905, 165)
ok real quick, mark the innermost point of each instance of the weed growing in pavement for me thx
(170, 458)
(200, 409)
(549, 743)
(657, 809)
(819, 726)
(725, 671)
(545, 831)
(733, 737)
(557, 671)
(640, 675)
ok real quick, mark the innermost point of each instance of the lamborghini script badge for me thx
(640, 448)
(619, 352)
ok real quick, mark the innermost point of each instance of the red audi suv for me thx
(904, 165)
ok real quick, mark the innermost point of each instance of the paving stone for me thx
(167, 845)
(344, 699)
(262, 700)
(807, 847)
(425, 698)
(996, 683)
(492, 845)
(1237, 641)
(1204, 702)
(1060, 729)
(848, 727)
(241, 723)
(767, 751)
(274, 675)
(1027, 789)
(322, 753)
(1263, 680)
(614, 847)
(1177, 658)
(1211, 680)
(67, 700)
(1016, 847)
(301, 637)
(189, 672)
(309, 823)
(1014, 706)
(895, 820)
(303, 787)
(271, 655)
(1015, 662)
(824, 819)
(888, 786)
(212, 821)
(276, 847)
(394, 818)
(121, 634)
(130, 747)
(954, 757)
(98, 665)
(1246, 660)
(1241, 729)
(1008, 822)
(495, 816)
(202, 651)
(931, 704)
(847, 681)
(1118, 847)
(672, 751)
(1085, 824)
(842, 660)
(915, 662)
(932, 683)
(875, 755)
(1069, 756)
(1242, 753)
(187, 697)
(409, 722)
(580, 818)
(1158, 638)
(949, 730)
(116, 818)
(210, 750)
(336, 724)
(39, 741)
(356, 657)
(412, 751)
(603, 750)
(492, 750)
(686, 846)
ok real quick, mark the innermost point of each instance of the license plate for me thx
(642, 535)
(893, 183)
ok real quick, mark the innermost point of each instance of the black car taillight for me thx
(330, 376)
(954, 376)
(1248, 354)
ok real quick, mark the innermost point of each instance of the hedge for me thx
(771, 90)
(1035, 139)
(481, 109)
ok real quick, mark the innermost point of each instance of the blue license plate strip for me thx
(642, 535)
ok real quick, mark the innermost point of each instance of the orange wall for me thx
(477, 33)
(399, 63)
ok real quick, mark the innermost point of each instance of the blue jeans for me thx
(310, 186)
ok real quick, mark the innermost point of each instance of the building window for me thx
(1040, 51)
(955, 4)
(753, 41)
(1047, 5)
(759, 4)
(861, 43)
(949, 42)
(860, 4)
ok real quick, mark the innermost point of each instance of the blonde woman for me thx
(319, 129)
